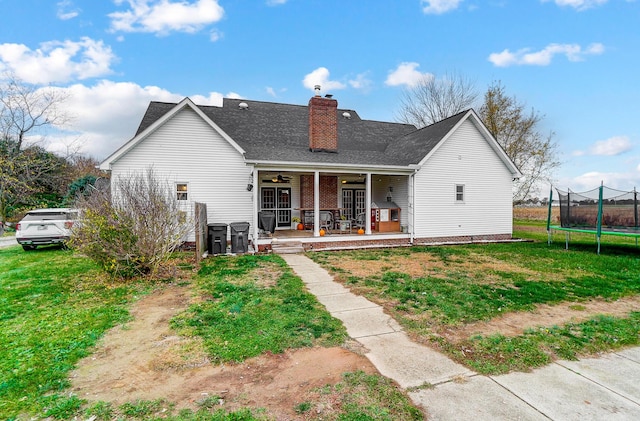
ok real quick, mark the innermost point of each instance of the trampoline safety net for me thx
(617, 209)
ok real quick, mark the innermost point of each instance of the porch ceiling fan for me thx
(280, 179)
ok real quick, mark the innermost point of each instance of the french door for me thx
(354, 202)
(278, 200)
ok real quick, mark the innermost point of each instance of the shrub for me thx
(132, 228)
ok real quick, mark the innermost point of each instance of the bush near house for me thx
(133, 231)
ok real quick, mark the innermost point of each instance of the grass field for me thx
(435, 292)
(55, 305)
(53, 308)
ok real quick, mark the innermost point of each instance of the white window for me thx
(182, 191)
(459, 193)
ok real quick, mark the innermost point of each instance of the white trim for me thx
(347, 168)
(178, 192)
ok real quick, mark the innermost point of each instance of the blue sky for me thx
(577, 62)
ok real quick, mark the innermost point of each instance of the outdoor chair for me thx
(326, 221)
(360, 221)
(308, 220)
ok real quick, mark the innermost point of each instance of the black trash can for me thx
(267, 221)
(239, 237)
(217, 238)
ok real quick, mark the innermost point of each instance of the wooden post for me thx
(202, 233)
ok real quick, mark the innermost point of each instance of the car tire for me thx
(28, 247)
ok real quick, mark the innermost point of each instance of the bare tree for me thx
(434, 99)
(517, 130)
(25, 109)
(26, 169)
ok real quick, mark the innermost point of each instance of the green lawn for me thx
(53, 308)
(256, 305)
(55, 305)
(471, 283)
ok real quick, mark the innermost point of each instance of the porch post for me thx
(316, 204)
(256, 203)
(367, 229)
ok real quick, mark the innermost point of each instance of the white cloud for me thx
(361, 82)
(406, 74)
(215, 35)
(573, 52)
(613, 146)
(320, 76)
(66, 10)
(164, 16)
(624, 181)
(106, 115)
(437, 7)
(57, 61)
(275, 2)
(578, 4)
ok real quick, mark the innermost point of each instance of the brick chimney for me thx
(323, 123)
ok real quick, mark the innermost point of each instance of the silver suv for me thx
(45, 226)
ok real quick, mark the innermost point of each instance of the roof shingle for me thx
(280, 133)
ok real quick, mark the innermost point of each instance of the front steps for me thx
(286, 247)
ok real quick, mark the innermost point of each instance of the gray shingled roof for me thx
(280, 133)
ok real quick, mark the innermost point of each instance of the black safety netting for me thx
(580, 209)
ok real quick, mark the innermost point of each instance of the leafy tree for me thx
(80, 187)
(26, 177)
(433, 99)
(517, 130)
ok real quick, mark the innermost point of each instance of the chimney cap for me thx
(317, 89)
(328, 96)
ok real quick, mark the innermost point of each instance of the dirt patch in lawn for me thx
(146, 360)
(514, 324)
(424, 265)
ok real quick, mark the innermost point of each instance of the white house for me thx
(447, 182)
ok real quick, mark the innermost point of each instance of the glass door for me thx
(283, 214)
(353, 202)
(277, 200)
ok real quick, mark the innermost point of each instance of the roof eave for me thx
(327, 165)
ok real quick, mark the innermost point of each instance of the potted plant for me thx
(296, 223)
(343, 223)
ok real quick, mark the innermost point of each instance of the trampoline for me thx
(601, 211)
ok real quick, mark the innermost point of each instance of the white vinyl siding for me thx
(187, 150)
(465, 158)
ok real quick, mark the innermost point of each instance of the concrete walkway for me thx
(8, 242)
(606, 388)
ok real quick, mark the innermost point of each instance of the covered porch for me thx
(330, 206)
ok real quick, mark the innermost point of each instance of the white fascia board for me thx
(186, 102)
(310, 167)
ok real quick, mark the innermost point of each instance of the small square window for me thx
(459, 192)
(182, 191)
